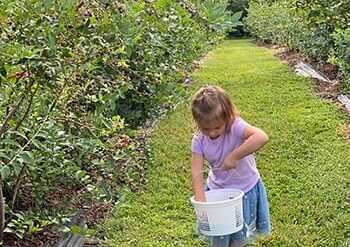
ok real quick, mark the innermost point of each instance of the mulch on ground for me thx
(48, 237)
(325, 90)
(330, 71)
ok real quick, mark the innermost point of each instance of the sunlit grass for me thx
(305, 165)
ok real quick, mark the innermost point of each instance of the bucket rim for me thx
(228, 201)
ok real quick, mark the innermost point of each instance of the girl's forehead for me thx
(212, 123)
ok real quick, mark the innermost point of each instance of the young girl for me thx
(227, 142)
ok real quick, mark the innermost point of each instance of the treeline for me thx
(77, 81)
(318, 28)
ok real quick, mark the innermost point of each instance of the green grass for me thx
(305, 165)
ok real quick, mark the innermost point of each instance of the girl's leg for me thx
(246, 235)
(263, 224)
(220, 241)
(242, 237)
(256, 216)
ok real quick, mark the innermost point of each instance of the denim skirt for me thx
(256, 219)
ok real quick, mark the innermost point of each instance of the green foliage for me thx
(217, 15)
(333, 13)
(276, 29)
(312, 27)
(236, 6)
(26, 223)
(341, 54)
(78, 79)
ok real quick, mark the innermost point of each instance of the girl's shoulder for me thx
(198, 135)
(238, 126)
(237, 121)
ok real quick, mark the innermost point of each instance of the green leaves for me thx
(17, 167)
(310, 27)
(3, 155)
(218, 17)
(235, 18)
(87, 75)
(5, 172)
(26, 223)
(48, 4)
(27, 157)
(52, 40)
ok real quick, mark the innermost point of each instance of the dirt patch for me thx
(45, 237)
(330, 71)
(92, 211)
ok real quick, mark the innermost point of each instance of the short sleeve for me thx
(238, 127)
(197, 146)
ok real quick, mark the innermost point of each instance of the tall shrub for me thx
(77, 80)
(316, 28)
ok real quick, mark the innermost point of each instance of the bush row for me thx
(78, 79)
(320, 28)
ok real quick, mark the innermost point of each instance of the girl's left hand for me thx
(230, 162)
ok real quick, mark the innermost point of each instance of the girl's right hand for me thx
(230, 162)
(200, 198)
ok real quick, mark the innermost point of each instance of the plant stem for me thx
(2, 213)
(14, 109)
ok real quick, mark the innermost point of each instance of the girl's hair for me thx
(212, 103)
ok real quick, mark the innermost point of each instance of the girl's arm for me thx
(255, 138)
(197, 177)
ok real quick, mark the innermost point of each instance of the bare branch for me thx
(18, 185)
(28, 109)
(9, 116)
(2, 212)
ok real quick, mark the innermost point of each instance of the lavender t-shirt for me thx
(245, 176)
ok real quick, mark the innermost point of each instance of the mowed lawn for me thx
(305, 165)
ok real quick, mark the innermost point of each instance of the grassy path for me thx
(305, 166)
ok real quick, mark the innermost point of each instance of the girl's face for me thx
(213, 129)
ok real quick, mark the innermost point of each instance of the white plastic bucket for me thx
(221, 214)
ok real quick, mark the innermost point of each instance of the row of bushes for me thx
(320, 28)
(78, 79)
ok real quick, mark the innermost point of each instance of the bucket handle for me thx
(217, 169)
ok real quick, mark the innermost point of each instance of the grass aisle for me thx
(305, 166)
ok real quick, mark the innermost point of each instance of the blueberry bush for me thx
(79, 80)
